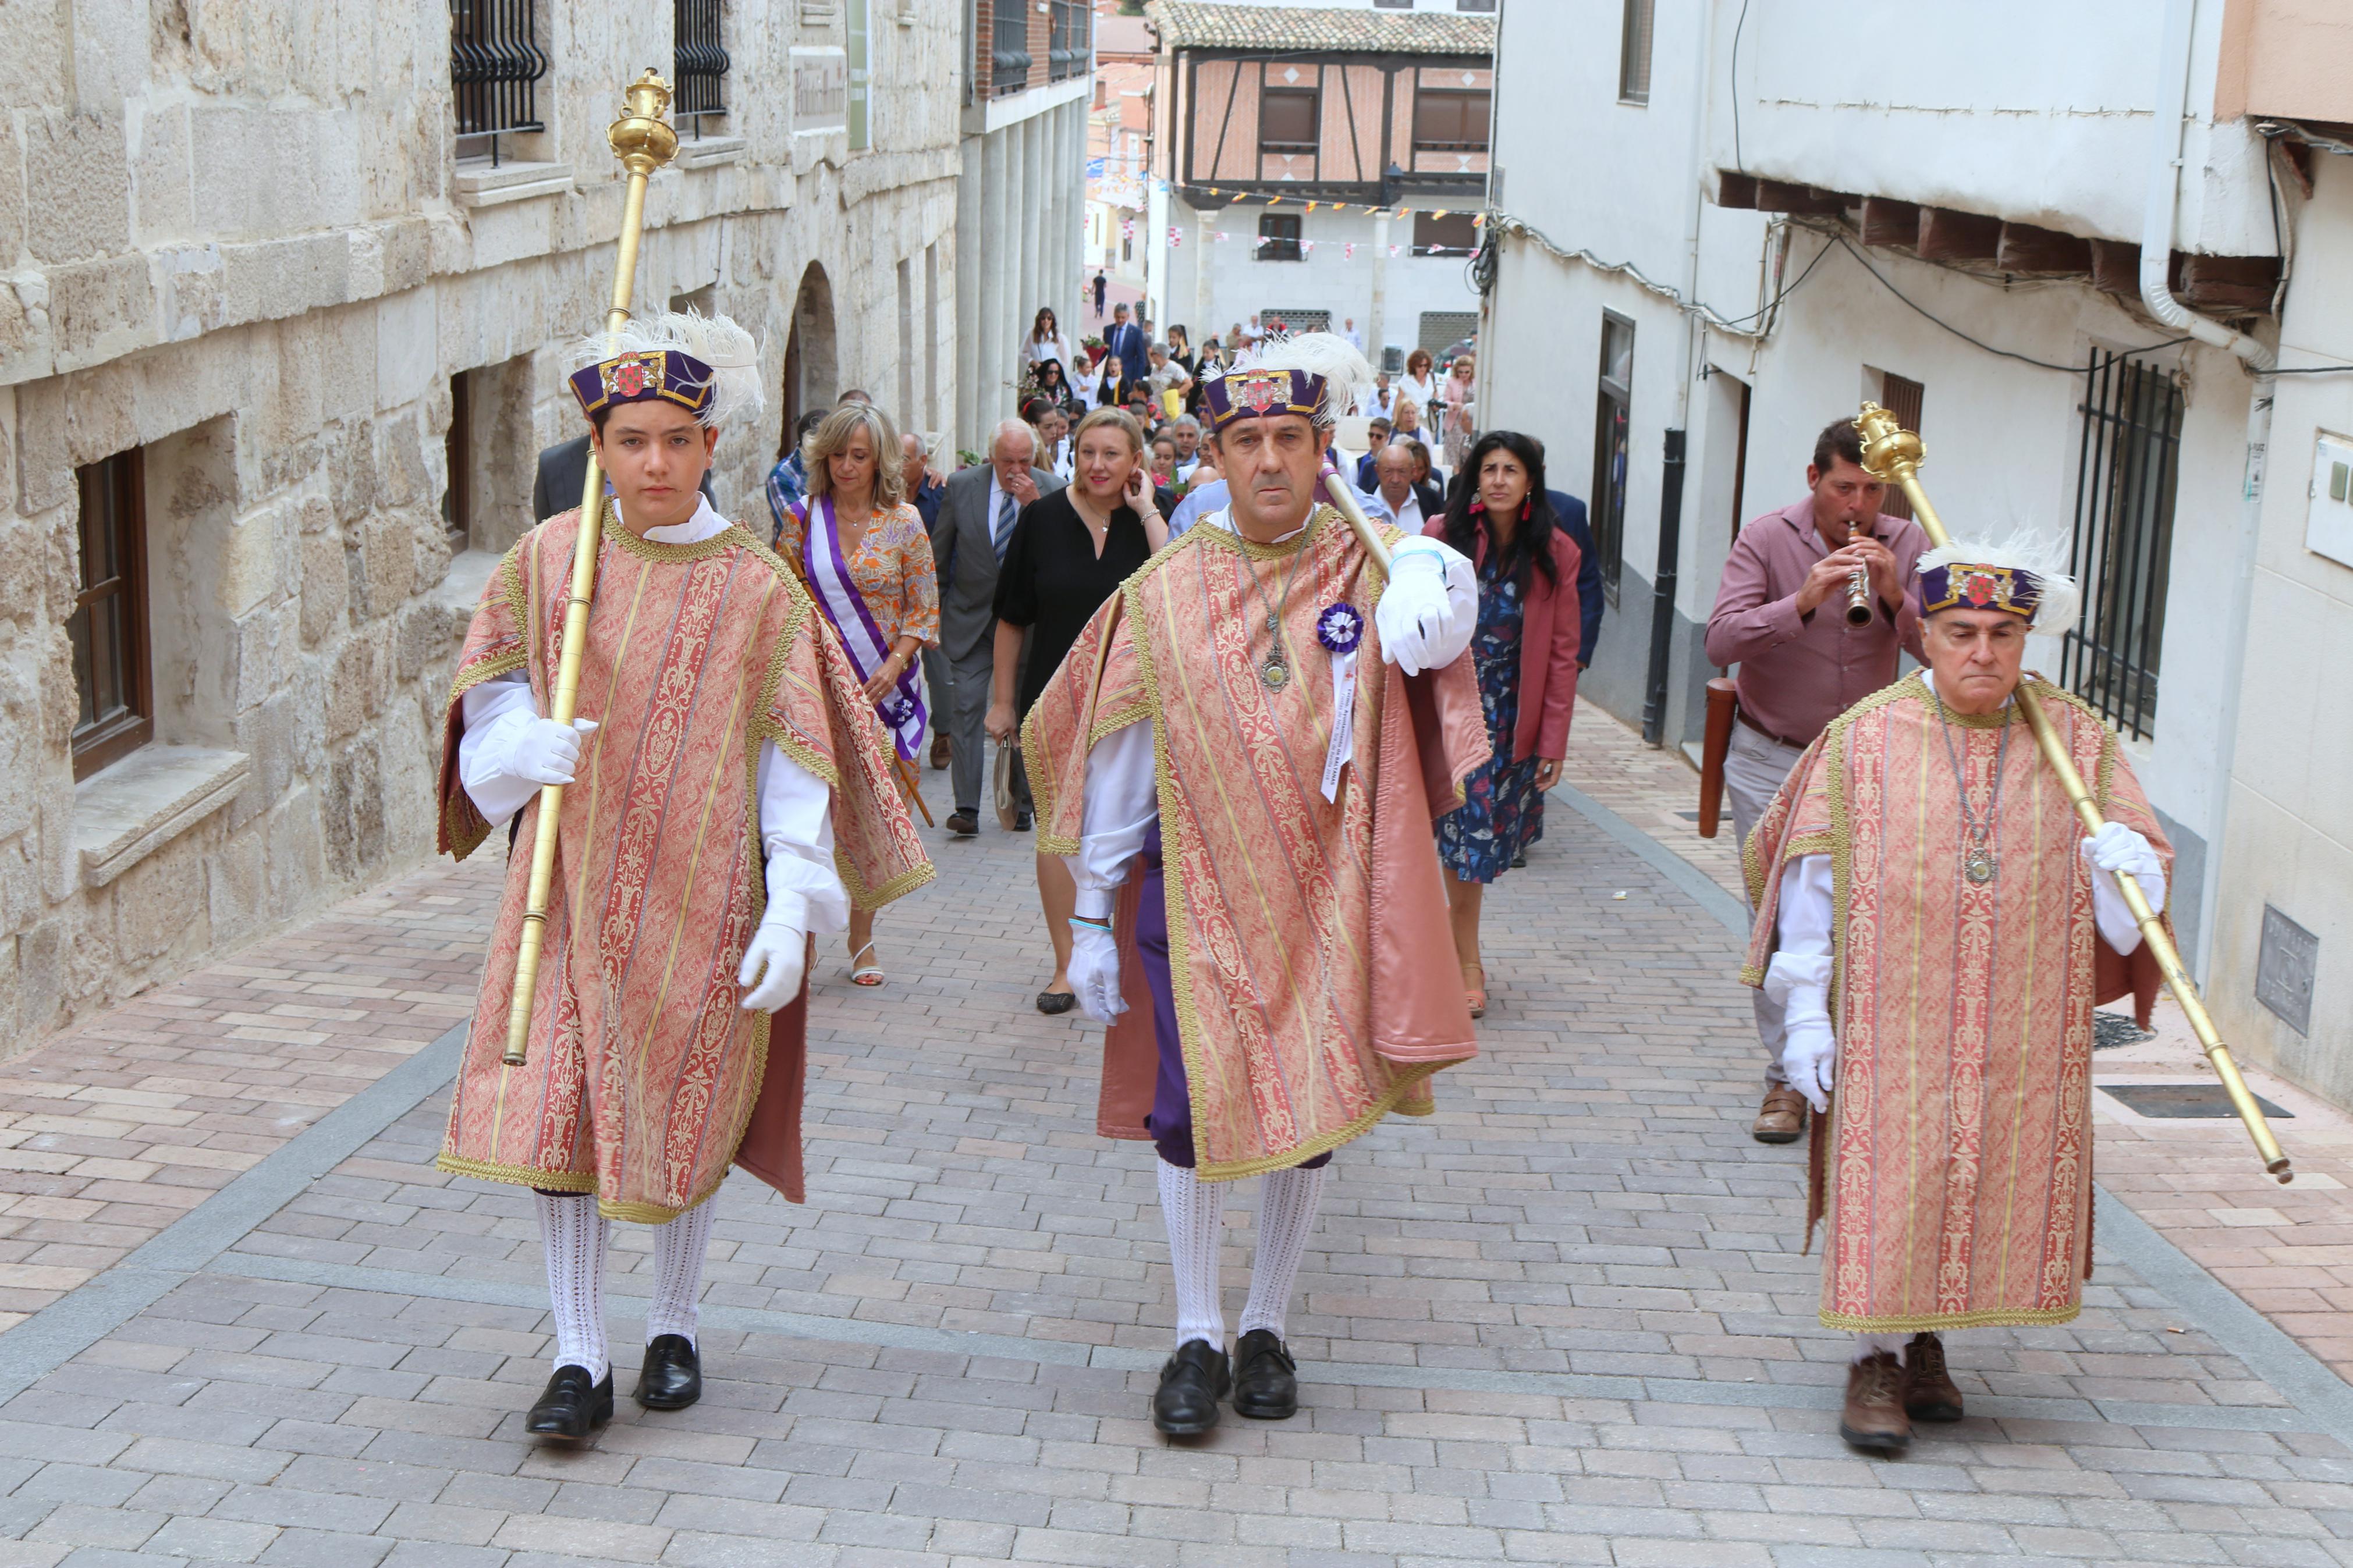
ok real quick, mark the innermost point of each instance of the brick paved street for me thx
(1563, 1321)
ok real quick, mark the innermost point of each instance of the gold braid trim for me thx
(1936, 1322)
(1407, 1078)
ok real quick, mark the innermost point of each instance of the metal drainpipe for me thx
(1662, 590)
(2158, 213)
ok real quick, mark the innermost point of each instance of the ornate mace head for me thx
(1889, 450)
(641, 138)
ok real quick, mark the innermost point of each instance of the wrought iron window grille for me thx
(698, 61)
(1068, 41)
(2128, 471)
(495, 65)
(1008, 44)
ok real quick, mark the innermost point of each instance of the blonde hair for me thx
(1120, 417)
(890, 458)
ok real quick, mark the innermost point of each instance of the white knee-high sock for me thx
(574, 1234)
(1869, 1345)
(1287, 1216)
(679, 1248)
(1193, 1210)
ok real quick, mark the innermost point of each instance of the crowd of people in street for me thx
(1155, 710)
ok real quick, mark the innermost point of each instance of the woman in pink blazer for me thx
(1525, 654)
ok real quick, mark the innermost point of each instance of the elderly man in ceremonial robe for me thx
(729, 793)
(1242, 756)
(1937, 929)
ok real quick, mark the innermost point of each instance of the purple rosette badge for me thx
(1340, 628)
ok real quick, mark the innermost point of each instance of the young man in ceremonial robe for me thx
(1242, 756)
(728, 793)
(1943, 931)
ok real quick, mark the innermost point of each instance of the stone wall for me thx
(237, 237)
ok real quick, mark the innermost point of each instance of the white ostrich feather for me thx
(731, 351)
(1345, 371)
(2023, 551)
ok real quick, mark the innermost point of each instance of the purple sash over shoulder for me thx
(827, 572)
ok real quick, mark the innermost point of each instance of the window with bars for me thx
(697, 61)
(1611, 424)
(2123, 542)
(1068, 41)
(1450, 120)
(495, 64)
(1901, 397)
(108, 629)
(1009, 47)
(1634, 54)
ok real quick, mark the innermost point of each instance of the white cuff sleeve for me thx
(493, 714)
(1121, 803)
(1799, 978)
(796, 836)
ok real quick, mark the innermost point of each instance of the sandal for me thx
(864, 974)
(1475, 994)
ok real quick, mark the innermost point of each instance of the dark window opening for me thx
(495, 64)
(1902, 398)
(700, 61)
(1450, 121)
(1447, 234)
(1634, 54)
(1281, 233)
(2123, 542)
(108, 629)
(1612, 420)
(458, 451)
(1008, 42)
(1287, 120)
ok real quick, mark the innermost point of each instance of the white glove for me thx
(1418, 621)
(1810, 1057)
(2118, 849)
(779, 948)
(545, 751)
(1094, 971)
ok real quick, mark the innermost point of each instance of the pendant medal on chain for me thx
(1978, 866)
(1976, 859)
(1274, 670)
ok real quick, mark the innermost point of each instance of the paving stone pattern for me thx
(1567, 1320)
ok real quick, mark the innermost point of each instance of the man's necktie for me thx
(1003, 533)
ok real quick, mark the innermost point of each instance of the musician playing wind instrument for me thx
(730, 793)
(1944, 929)
(1248, 744)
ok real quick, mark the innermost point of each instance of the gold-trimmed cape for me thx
(1954, 1163)
(1314, 976)
(644, 1072)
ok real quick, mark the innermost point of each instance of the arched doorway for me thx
(812, 376)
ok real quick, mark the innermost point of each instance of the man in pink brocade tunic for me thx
(1938, 929)
(728, 792)
(1243, 753)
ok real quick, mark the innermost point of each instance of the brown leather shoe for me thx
(1929, 1394)
(1873, 1420)
(1782, 1118)
(939, 750)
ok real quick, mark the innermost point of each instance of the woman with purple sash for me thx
(861, 548)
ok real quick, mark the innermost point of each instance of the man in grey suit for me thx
(968, 539)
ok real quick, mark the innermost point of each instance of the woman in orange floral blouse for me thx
(863, 549)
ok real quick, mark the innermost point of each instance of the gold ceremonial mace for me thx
(644, 141)
(1892, 453)
(1344, 496)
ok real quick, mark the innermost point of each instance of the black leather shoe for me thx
(965, 824)
(1265, 1385)
(1022, 821)
(1055, 1003)
(571, 1407)
(1185, 1403)
(672, 1378)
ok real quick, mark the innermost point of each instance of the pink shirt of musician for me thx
(1800, 672)
(892, 569)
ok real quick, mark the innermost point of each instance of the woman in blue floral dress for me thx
(1525, 655)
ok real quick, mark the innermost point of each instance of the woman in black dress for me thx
(1070, 552)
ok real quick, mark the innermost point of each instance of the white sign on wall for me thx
(820, 90)
(2328, 526)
